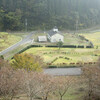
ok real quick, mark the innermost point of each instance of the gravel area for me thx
(63, 71)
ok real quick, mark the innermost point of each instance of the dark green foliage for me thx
(45, 14)
(69, 46)
(1, 56)
(55, 66)
(81, 46)
(28, 47)
(51, 46)
(60, 44)
(88, 47)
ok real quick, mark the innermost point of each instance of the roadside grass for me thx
(65, 55)
(93, 37)
(10, 54)
(7, 40)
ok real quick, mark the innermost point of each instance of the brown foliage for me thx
(10, 82)
(92, 76)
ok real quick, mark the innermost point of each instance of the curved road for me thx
(17, 44)
(63, 71)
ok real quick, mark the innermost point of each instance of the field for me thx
(93, 37)
(54, 55)
(74, 39)
(7, 40)
(65, 55)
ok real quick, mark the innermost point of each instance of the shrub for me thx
(81, 46)
(54, 60)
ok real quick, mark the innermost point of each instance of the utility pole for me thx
(77, 21)
(76, 25)
(26, 24)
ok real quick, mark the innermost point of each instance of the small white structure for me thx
(42, 38)
(55, 36)
(55, 29)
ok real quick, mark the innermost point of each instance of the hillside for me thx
(45, 14)
(7, 40)
(93, 37)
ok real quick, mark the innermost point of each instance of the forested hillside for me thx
(45, 14)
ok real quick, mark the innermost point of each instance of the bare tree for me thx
(39, 85)
(63, 84)
(3, 63)
(48, 86)
(10, 82)
(92, 79)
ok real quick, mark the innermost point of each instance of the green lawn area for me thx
(74, 39)
(93, 37)
(65, 55)
(7, 40)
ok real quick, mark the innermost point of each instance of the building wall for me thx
(57, 38)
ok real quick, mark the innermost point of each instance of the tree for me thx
(28, 62)
(2, 57)
(63, 84)
(38, 85)
(11, 82)
(92, 78)
(4, 63)
(48, 86)
(60, 44)
(64, 14)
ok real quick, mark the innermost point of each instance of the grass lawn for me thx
(93, 37)
(7, 40)
(74, 39)
(65, 55)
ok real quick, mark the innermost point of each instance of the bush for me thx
(67, 58)
(54, 60)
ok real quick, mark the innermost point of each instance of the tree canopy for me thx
(27, 61)
(46, 14)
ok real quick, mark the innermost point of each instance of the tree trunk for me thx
(31, 98)
(61, 97)
(46, 98)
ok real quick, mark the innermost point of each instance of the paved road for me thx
(27, 38)
(63, 71)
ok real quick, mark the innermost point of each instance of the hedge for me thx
(81, 46)
(69, 46)
(54, 66)
(89, 47)
(28, 47)
(64, 46)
